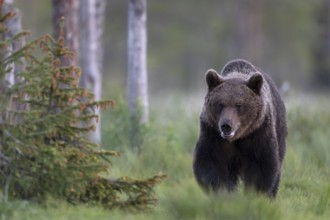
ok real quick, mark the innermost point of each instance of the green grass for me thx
(167, 148)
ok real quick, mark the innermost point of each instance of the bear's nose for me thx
(225, 127)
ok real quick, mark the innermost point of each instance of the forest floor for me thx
(169, 140)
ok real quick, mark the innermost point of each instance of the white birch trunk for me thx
(14, 25)
(137, 62)
(91, 53)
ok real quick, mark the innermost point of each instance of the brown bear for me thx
(242, 131)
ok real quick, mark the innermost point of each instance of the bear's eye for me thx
(238, 107)
(220, 107)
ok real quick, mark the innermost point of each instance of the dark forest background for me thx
(289, 39)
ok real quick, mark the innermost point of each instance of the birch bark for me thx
(91, 53)
(137, 81)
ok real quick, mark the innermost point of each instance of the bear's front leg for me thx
(211, 167)
(207, 174)
(262, 171)
(207, 177)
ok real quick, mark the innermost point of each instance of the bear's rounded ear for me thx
(255, 82)
(213, 79)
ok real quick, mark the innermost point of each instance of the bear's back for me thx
(238, 66)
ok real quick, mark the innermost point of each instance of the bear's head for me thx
(233, 105)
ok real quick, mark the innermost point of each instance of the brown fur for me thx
(243, 130)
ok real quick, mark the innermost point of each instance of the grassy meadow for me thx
(167, 148)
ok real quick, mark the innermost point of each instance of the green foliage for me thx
(168, 146)
(44, 117)
(119, 128)
(308, 122)
(137, 192)
(304, 189)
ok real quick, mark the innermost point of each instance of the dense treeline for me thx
(285, 38)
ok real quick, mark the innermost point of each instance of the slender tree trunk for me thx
(68, 9)
(14, 25)
(91, 30)
(137, 82)
(137, 61)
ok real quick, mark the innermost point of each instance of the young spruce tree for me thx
(43, 150)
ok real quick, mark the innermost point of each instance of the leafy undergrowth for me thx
(167, 148)
(44, 119)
